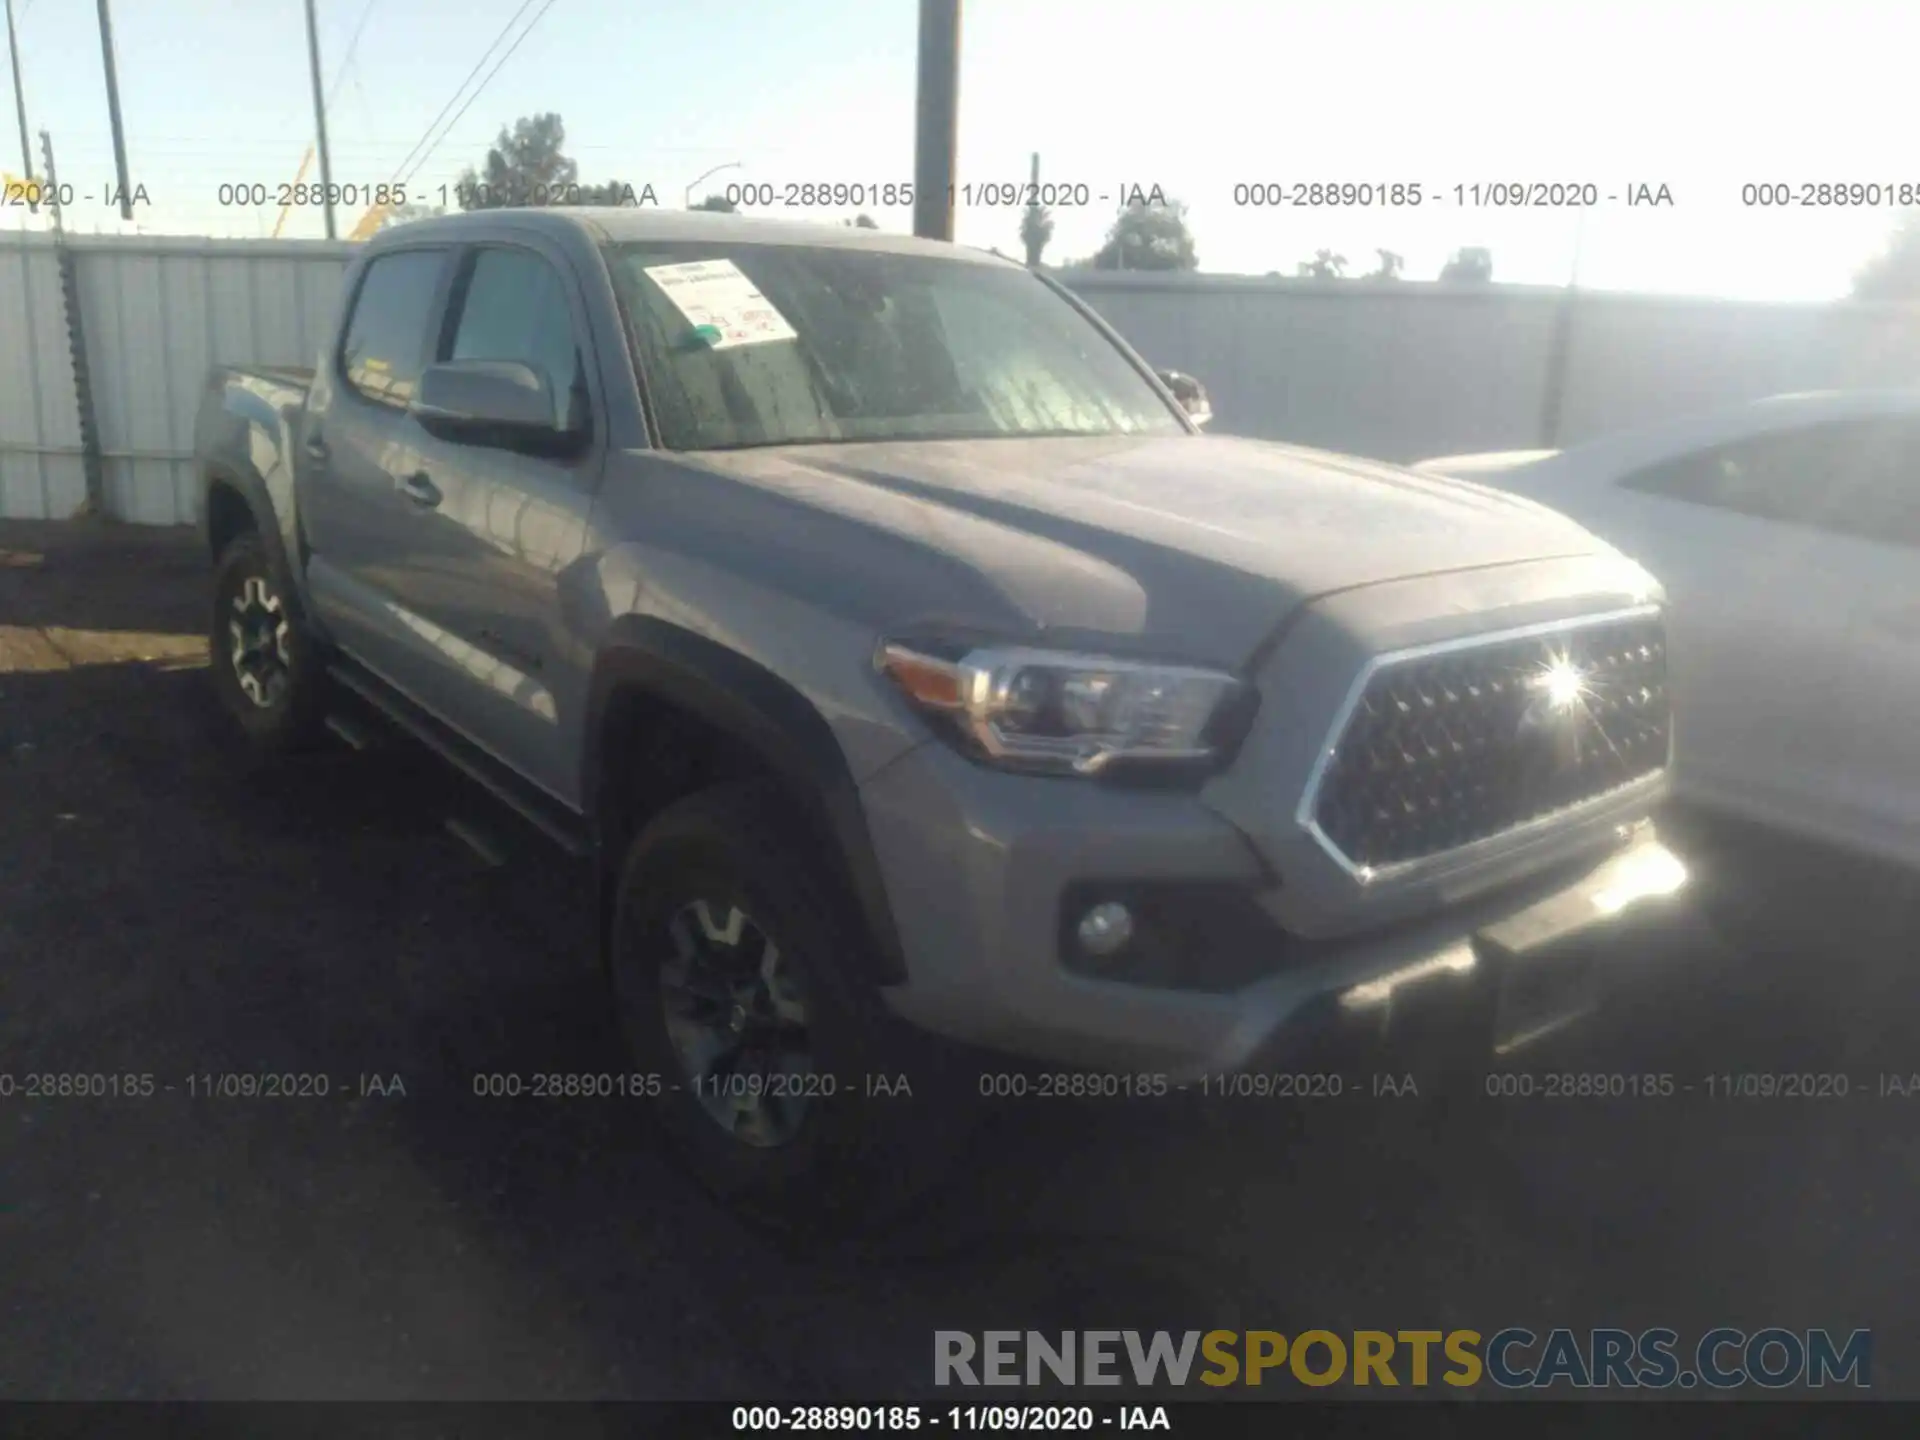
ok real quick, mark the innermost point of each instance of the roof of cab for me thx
(609, 224)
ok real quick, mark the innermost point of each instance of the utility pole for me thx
(319, 117)
(113, 113)
(1560, 345)
(1034, 243)
(20, 107)
(936, 128)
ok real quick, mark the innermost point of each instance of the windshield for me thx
(747, 345)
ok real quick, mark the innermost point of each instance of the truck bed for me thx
(300, 376)
(246, 424)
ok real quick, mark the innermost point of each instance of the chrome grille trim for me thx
(1460, 856)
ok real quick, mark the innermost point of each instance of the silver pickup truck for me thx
(911, 666)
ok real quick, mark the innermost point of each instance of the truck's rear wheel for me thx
(264, 667)
(786, 1085)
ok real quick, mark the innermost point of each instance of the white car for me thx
(1787, 534)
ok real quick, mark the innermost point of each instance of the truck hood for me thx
(1206, 541)
(1488, 463)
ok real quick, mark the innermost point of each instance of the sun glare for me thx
(1563, 683)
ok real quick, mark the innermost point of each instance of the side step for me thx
(564, 828)
(478, 841)
(349, 731)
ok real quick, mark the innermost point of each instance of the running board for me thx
(478, 841)
(349, 732)
(545, 814)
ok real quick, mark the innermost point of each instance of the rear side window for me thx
(1820, 476)
(1886, 505)
(515, 308)
(386, 340)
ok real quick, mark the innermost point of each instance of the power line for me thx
(360, 90)
(346, 60)
(454, 99)
(482, 86)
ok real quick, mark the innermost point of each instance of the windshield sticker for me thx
(723, 306)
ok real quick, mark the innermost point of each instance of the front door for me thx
(488, 534)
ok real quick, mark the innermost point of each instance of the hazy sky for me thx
(1193, 95)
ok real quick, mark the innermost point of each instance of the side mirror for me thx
(1191, 394)
(491, 402)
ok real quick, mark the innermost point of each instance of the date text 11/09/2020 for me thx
(1500, 1085)
(394, 195)
(203, 1085)
(992, 194)
(907, 1418)
(743, 196)
(1263, 193)
(1317, 1087)
(27, 194)
(760, 195)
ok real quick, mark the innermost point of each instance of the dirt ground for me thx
(168, 909)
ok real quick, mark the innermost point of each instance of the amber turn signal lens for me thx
(929, 681)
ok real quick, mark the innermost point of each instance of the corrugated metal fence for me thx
(157, 313)
(41, 474)
(1404, 371)
(1394, 370)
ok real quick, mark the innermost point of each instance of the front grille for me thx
(1449, 747)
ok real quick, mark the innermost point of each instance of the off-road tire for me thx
(288, 714)
(857, 1159)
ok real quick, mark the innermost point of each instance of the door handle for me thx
(316, 447)
(418, 488)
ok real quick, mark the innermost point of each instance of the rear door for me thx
(1882, 695)
(357, 439)
(483, 536)
(1763, 590)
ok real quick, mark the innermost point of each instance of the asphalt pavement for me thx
(170, 909)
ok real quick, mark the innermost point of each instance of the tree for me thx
(717, 203)
(1893, 274)
(1472, 264)
(1149, 236)
(1325, 265)
(1390, 266)
(1036, 230)
(525, 163)
(527, 166)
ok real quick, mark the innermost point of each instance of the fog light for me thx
(1105, 928)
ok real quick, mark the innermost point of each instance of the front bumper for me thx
(980, 867)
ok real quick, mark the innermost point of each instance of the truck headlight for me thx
(1075, 714)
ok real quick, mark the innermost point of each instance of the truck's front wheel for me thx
(264, 667)
(783, 1080)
